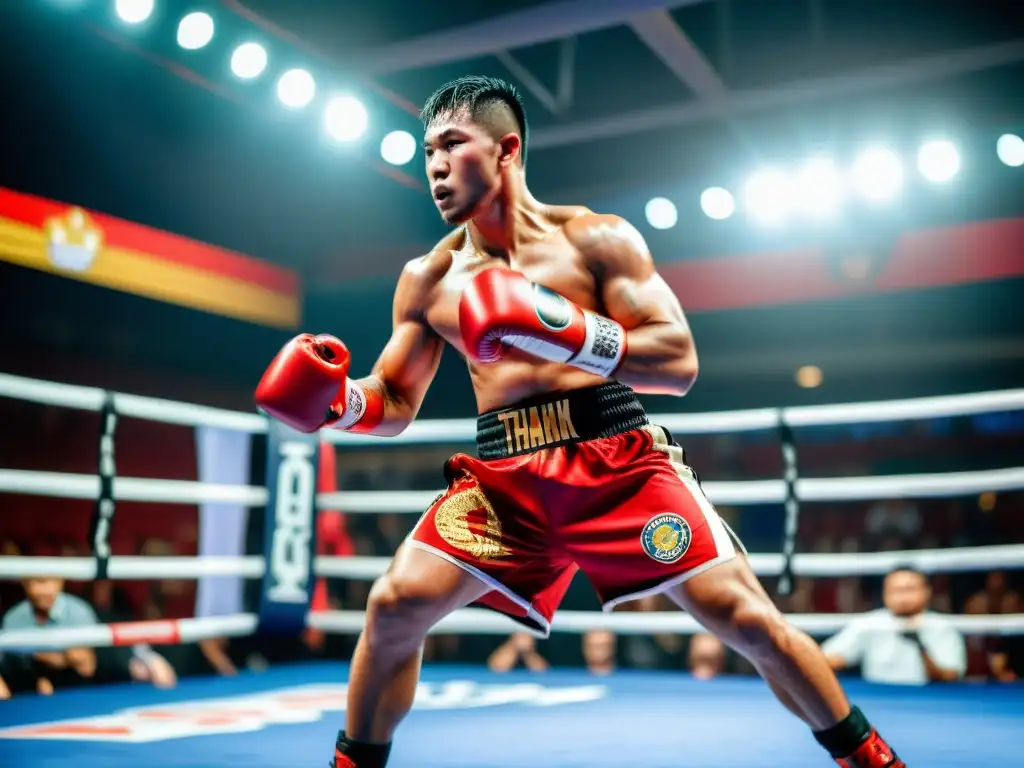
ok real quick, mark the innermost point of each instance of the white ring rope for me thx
(125, 568)
(71, 486)
(467, 621)
(474, 621)
(162, 632)
(464, 430)
(905, 410)
(924, 486)
(358, 567)
(76, 486)
(746, 492)
(134, 406)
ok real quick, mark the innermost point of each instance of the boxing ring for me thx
(465, 716)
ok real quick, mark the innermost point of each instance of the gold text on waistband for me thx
(537, 426)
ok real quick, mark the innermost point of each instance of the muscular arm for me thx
(661, 357)
(409, 361)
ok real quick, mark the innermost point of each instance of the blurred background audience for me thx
(58, 527)
(903, 642)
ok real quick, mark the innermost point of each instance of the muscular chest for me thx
(552, 263)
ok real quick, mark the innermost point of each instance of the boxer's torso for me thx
(551, 260)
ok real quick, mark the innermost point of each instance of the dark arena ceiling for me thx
(627, 100)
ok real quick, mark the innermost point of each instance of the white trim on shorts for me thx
(724, 539)
(494, 584)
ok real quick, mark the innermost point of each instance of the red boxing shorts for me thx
(574, 480)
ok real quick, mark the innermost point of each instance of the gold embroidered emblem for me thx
(665, 537)
(468, 522)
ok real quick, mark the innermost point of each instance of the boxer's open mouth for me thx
(442, 193)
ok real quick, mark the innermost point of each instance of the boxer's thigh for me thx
(427, 580)
(490, 523)
(653, 528)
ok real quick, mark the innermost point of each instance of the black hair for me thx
(908, 568)
(488, 100)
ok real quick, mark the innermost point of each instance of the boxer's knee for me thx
(399, 611)
(418, 591)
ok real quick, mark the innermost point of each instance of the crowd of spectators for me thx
(842, 528)
(929, 652)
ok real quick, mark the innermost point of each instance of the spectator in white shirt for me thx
(902, 643)
(47, 605)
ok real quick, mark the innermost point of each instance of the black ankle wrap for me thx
(364, 753)
(843, 738)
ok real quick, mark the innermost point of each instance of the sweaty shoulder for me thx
(604, 238)
(563, 214)
(421, 276)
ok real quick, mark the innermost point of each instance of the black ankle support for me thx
(843, 738)
(364, 753)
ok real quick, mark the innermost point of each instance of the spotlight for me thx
(878, 174)
(134, 11)
(717, 203)
(809, 376)
(249, 60)
(195, 31)
(819, 188)
(345, 119)
(296, 88)
(769, 196)
(938, 161)
(398, 148)
(661, 213)
(1010, 149)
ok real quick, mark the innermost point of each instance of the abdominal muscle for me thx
(520, 376)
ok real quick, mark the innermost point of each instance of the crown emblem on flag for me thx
(72, 240)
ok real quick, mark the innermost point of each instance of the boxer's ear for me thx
(508, 165)
(511, 147)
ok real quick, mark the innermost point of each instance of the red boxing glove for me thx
(307, 387)
(501, 307)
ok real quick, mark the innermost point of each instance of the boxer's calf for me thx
(418, 590)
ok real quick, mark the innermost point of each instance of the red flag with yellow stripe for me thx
(95, 248)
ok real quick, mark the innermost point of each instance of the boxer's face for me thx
(463, 167)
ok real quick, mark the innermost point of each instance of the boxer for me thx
(562, 319)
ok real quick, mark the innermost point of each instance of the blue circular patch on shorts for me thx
(666, 537)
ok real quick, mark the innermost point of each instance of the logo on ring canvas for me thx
(553, 309)
(666, 537)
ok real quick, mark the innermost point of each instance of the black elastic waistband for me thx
(557, 419)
